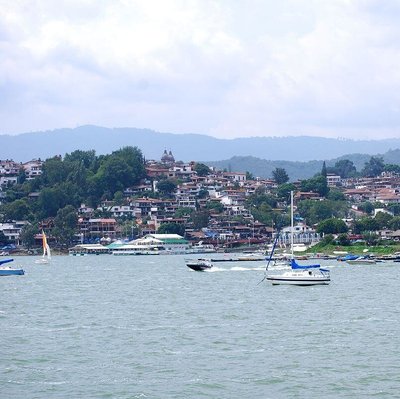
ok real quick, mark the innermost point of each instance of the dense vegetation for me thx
(81, 177)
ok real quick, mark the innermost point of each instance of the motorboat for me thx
(199, 265)
(8, 270)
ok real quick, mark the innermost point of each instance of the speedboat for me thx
(198, 265)
(8, 270)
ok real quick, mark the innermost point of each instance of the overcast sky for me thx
(225, 68)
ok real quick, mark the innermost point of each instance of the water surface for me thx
(149, 327)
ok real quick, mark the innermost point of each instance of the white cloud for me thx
(216, 67)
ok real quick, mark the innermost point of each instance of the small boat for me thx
(46, 257)
(8, 270)
(347, 257)
(198, 265)
(201, 248)
(361, 261)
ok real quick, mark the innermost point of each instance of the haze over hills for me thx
(185, 147)
(296, 170)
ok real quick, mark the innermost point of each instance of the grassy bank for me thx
(357, 249)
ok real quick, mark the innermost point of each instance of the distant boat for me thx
(347, 257)
(251, 257)
(8, 270)
(46, 257)
(199, 265)
(298, 274)
(362, 260)
(201, 248)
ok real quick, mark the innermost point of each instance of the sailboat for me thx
(298, 274)
(46, 257)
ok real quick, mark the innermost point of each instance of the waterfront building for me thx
(97, 228)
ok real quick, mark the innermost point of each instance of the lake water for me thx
(149, 327)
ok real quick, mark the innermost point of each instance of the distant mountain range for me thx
(296, 170)
(247, 154)
(185, 147)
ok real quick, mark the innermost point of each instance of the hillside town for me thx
(199, 205)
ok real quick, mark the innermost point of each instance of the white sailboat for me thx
(298, 274)
(46, 257)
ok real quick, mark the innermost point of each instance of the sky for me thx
(224, 68)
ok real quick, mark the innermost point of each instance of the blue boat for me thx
(8, 270)
(347, 257)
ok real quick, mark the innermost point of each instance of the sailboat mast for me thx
(291, 225)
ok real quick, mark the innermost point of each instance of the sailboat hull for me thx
(300, 281)
(42, 261)
(11, 272)
(301, 277)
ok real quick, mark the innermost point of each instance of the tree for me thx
(115, 174)
(323, 170)
(54, 171)
(171, 228)
(3, 238)
(17, 210)
(374, 167)
(65, 224)
(394, 208)
(200, 219)
(201, 169)
(335, 195)
(86, 158)
(392, 168)
(366, 207)
(317, 211)
(119, 198)
(184, 211)
(203, 193)
(365, 225)
(383, 219)
(395, 223)
(284, 190)
(316, 184)
(280, 176)
(166, 187)
(50, 201)
(21, 176)
(370, 238)
(134, 158)
(345, 168)
(343, 239)
(214, 206)
(327, 240)
(332, 226)
(27, 235)
(249, 176)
